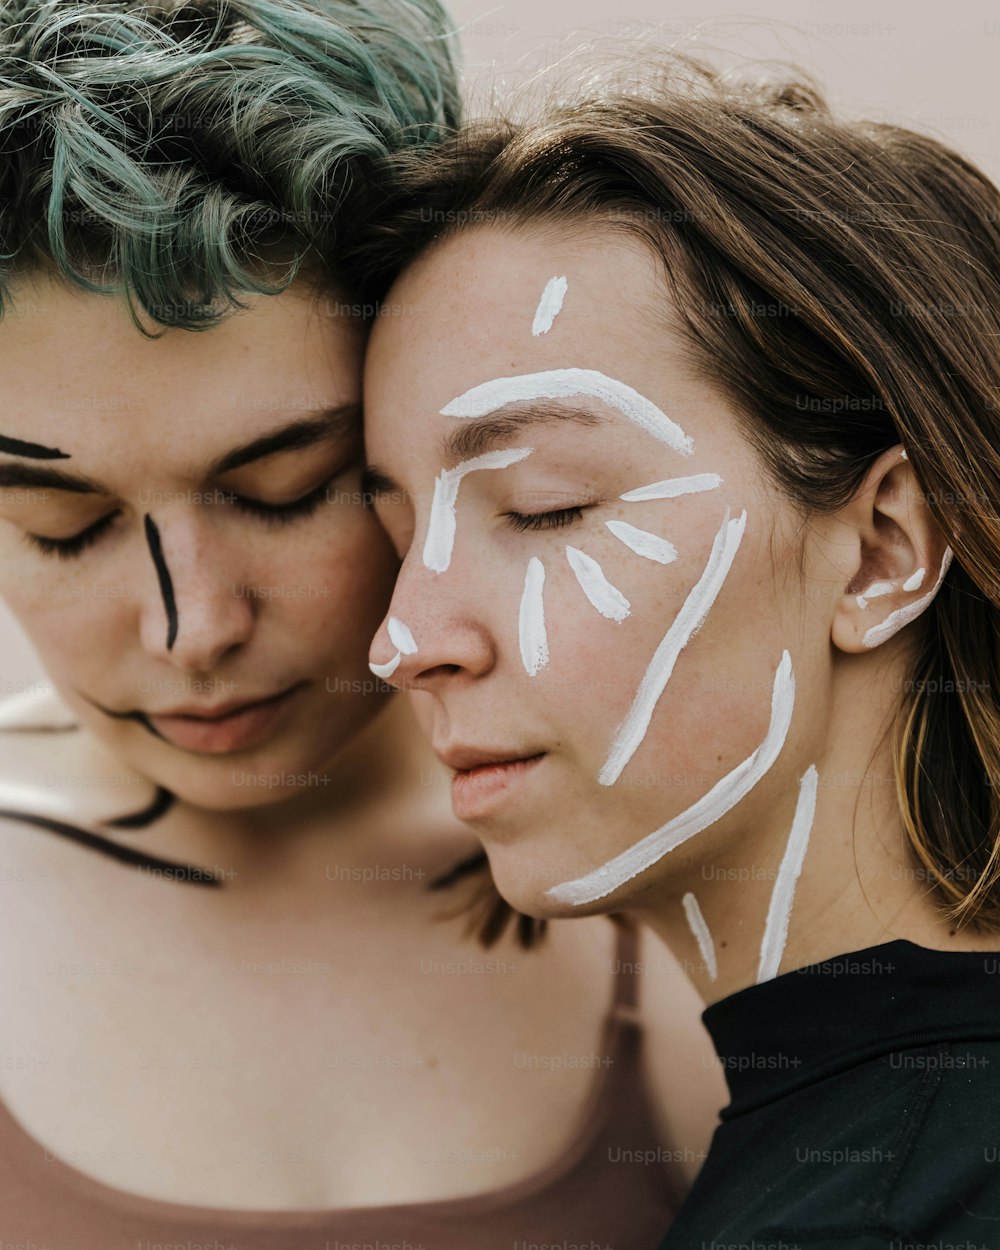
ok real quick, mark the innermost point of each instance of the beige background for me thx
(930, 66)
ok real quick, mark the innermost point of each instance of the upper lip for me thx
(464, 758)
(223, 710)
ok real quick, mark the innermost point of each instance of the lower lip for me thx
(244, 729)
(477, 791)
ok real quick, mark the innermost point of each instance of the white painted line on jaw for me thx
(440, 540)
(685, 625)
(549, 306)
(783, 895)
(671, 487)
(722, 797)
(697, 925)
(607, 599)
(895, 621)
(643, 543)
(531, 620)
(486, 398)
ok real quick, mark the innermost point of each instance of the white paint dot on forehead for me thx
(549, 306)
(486, 398)
(702, 935)
(671, 487)
(723, 796)
(783, 895)
(531, 620)
(649, 546)
(402, 638)
(440, 540)
(607, 599)
(895, 621)
(684, 626)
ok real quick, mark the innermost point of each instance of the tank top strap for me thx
(625, 993)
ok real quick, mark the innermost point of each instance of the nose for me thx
(193, 615)
(430, 635)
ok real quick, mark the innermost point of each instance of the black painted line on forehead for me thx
(162, 802)
(163, 574)
(178, 871)
(31, 451)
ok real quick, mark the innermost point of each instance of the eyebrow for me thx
(303, 432)
(30, 451)
(482, 434)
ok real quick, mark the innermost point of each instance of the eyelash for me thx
(554, 520)
(270, 514)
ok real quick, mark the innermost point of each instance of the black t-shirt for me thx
(865, 1108)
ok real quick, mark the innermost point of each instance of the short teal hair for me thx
(183, 154)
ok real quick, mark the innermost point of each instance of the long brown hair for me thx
(839, 283)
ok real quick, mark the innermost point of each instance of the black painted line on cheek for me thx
(186, 873)
(161, 804)
(140, 718)
(31, 451)
(166, 581)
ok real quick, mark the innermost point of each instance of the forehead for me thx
(463, 314)
(78, 374)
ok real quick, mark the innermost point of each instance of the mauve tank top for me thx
(610, 1187)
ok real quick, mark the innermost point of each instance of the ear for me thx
(900, 556)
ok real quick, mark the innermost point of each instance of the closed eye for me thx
(281, 513)
(544, 520)
(68, 548)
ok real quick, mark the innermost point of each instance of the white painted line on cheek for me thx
(698, 926)
(685, 625)
(783, 895)
(549, 306)
(402, 638)
(722, 797)
(531, 621)
(385, 671)
(440, 540)
(895, 621)
(486, 398)
(607, 599)
(643, 543)
(671, 487)
(915, 580)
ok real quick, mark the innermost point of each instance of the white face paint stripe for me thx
(486, 398)
(685, 624)
(783, 895)
(671, 487)
(607, 599)
(895, 621)
(649, 546)
(702, 935)
(531, 620)
(385, 671)
(39, 799)
(440, 540)
(402, 638)
(915, 580)
(722, 797)
(549, 306)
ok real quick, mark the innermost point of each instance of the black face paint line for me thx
(31, 451)
(162, 802)
(166, 581)
(171, 869)
(140, 718)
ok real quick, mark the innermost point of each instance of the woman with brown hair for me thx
(688, 442)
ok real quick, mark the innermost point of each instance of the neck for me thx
(859, 885)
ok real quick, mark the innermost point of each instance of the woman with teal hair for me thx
(233, 1009)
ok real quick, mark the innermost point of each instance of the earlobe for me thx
(896, 542)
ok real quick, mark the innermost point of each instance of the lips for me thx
(486, 778)
(226, 728)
